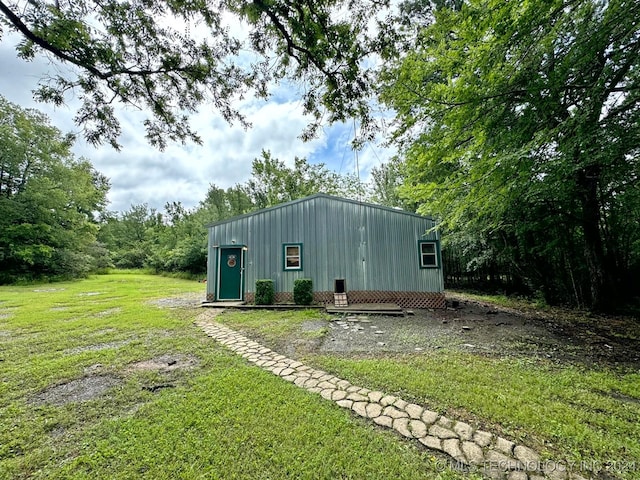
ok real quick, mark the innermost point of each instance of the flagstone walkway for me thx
(473, 449)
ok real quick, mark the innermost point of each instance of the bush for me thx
(265, 292)
(303, 291)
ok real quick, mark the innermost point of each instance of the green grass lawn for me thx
(222, 418)
(578, 415)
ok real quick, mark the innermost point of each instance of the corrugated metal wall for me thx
(373, 248)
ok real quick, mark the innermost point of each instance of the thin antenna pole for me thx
(355, 135)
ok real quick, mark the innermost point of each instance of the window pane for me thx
(428, 247)
(293, 262)
(429, 260)
(293, 251)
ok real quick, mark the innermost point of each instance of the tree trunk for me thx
(599, 273)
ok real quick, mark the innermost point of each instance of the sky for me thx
(139, 173)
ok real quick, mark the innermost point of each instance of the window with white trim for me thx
(292, 256)
(428, 255)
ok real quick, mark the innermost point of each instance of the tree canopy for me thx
(49, 200)
(168, 57)
(519, 123)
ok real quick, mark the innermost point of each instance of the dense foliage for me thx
(518, 124)
(265, 292)
(175, 240)
(303, 291)
(48, 201)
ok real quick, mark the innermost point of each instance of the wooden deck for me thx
(364, 308)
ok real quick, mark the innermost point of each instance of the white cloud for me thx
(141, 174)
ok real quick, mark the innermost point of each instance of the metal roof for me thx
(314, 196)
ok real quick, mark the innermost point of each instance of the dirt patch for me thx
(95, 348)
(183, 301)
(108, 312)
(487, 329)
(79, 390)
(165, 363)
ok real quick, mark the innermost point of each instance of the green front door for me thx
(230, 278)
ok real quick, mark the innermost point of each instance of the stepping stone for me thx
(431, 442)
(360, 408)
(338, 395)
(414, 411)
(556, 471)
(527, 456)
(464, 430)
(401, 425)
(345, 403)
(502, 461)
(384, 421)
(505, 446)
(400, 404)
(418, 429)
(394, 413)
(517, 476)
(441, 432)
(325, 384)
(482, 438)
(300, 381)
(376, 396)
(310, 382)
(343, 384)
(429, 417)
(473, 452)
(374, 410)
(387, 400)
(326, 393)
(445, 422)
(451, 446)
(356, 397)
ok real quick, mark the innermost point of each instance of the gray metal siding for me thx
(372, 248)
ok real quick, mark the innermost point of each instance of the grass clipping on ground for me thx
(101, 380)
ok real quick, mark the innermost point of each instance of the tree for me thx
(131, 236)
(168, 57)
(272, 182)
(48, 200)
(386, 182)
(519, 121)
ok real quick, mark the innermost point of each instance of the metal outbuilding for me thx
(372, 253)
